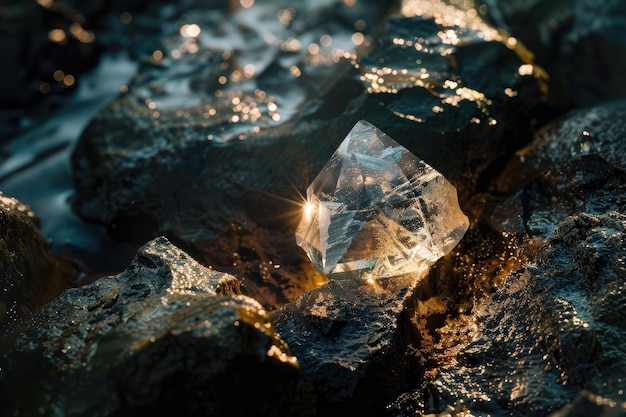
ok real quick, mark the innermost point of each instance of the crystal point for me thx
(377, 211)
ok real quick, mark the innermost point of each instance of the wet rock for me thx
(212, 136)
(448, 86)
(349, 338)
(165, 336)
(575, 165)
(581, 43)
(553, 327)
(588, 404)
(552, 330)
(29, 275)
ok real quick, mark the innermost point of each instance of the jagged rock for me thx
(181, 159)
(580, 42)
(554, 326)
(29, 275)
(346, 337)
(576, 165)
(447, 86)
(165, 336)
(553, 329)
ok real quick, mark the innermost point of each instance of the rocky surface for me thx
(239, 148)
(546, 334)
(576, 165)
(554, 325)
(165, 336)
(30, 275)
(579, 42)
(448, 86)
(348, 337)
(226, 122)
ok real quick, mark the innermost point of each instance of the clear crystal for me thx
(376, 210)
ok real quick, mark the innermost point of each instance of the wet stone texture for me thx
(166, 336)
(232, 113)
(209, 156)
(348, 337)
(554, 329)
(575, 165)
(29, 274)
(579, 42)
(448, 87)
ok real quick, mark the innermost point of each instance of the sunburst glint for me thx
(308, 210)
(367, 216)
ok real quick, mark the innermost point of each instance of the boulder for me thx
(551, 330)
(450, 87)
(30, 275)
(209, 156)
(350, 338)
(554, 329)
(165, 336)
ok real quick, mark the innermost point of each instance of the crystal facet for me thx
(376, 210)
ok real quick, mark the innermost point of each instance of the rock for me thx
(165, 336)
(30, 275)
(554, 325)
(448, 86)
(190, 158)
(576, 165)
(588, 404)
(567, 339)
(579, 42)
(348, 338)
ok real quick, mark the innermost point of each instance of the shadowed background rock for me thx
(29, 275)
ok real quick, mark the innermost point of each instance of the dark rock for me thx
(166, 336)
(575, 165)
(447, 86)
(186, 160)
(523, 317)
(588, 404)
(565, 340)
(554, 326)
(581, 43)
(29, 275)
(347, 336)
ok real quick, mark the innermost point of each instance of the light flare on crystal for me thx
(377, 211)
